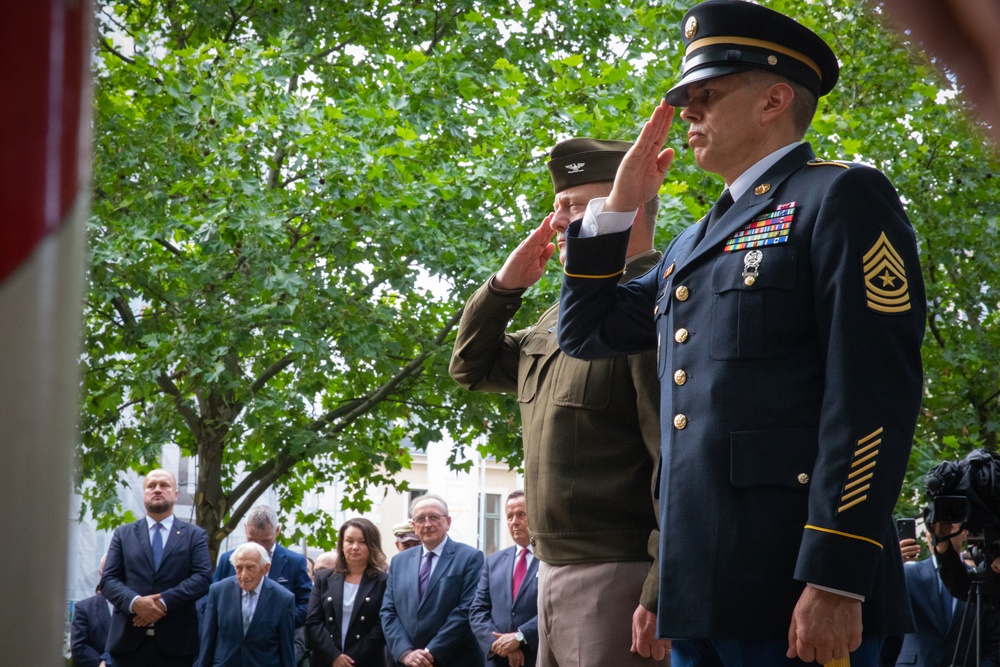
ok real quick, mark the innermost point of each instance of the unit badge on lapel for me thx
(886, 287)
(766, 229)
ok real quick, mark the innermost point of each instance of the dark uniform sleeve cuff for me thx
(838, 560)
(596, 256)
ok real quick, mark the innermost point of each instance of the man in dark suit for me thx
(249, 618)
(504, 613)
(945, 627)
(89, 634)
(788, 327)
(156, 569)
(425, 610)
(287, 567)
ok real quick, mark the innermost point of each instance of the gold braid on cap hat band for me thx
(761, 43)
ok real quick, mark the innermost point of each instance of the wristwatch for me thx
(519, 636)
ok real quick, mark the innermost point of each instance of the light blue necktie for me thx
(157, 545)
(247, 609)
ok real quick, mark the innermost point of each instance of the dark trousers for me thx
(149, 655)
(763, 653)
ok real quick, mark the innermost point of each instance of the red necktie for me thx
(520, 569)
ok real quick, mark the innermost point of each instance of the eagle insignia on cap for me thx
(575, 168)
(691, 27)
(886, 287)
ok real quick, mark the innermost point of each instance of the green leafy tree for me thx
(291, 203)
(293, 199)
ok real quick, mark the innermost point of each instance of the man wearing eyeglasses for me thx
(425, 611)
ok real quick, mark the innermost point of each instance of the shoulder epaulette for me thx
(816, 162)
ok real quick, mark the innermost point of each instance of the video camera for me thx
(967, 492)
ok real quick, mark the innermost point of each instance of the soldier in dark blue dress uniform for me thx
(788, 325)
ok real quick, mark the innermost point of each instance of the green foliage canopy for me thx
(293, 199)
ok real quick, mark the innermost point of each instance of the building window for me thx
(187, 479)
(414, 494)
(490, 520)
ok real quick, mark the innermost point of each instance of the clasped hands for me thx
(148, 609)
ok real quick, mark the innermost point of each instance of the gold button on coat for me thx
(681, 335)
(682, 293)
(680, 421)
(803, 478)
(680, 377)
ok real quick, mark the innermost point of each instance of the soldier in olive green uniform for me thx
(591, 437)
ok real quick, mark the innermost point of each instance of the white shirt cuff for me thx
(853, 596)
(596, 222)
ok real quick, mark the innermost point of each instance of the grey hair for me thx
(262, 517)
(261, 552)
(429, 496)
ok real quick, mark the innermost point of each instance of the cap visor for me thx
(677, 96)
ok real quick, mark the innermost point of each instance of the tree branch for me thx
(190, 416)
(272, 370)
(236, 18)
(106, 45)
(169, 246)
(359, 407)
(281, 153)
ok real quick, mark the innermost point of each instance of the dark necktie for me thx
(520, 569)
(425, 573)
(721, 206)
(157, 545)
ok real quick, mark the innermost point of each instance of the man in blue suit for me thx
(504, 614)
(156, 569)
(425, 611)
(249, 617)
(943, 624)
(89, 634)
(287, 567)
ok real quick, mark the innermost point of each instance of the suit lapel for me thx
(531, 573)
(506, 565)
(931, 587)
(232, 598)
(750, 203)
(262, 602)
(142, 537)
(444, 563)
(176, 536)
(103, 615)
(364, 588)
(277, 564)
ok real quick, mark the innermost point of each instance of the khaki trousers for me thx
(585, 614)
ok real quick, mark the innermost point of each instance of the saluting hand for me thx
(644, 167)
(526, 264)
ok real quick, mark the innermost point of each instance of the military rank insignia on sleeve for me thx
(886, 287)
(862, 470)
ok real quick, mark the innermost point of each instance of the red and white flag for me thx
(45, 48)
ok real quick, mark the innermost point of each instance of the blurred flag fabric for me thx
(45, 115)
